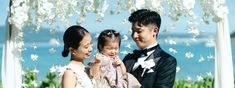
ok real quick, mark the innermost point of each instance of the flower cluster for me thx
(147, 65)
(18, 16)
(19, 13)
(213, 9)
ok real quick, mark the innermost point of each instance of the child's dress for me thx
(110, 76)
(83, 81)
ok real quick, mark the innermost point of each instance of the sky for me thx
(115, 21)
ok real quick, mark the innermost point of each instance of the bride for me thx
(78, 42)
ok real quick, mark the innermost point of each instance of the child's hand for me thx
(117, 61)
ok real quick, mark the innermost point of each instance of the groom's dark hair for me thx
(145, 17)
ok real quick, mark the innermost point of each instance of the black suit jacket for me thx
(164, 72)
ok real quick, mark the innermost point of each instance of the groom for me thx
(153, 67)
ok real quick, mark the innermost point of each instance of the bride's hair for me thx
(72, 38)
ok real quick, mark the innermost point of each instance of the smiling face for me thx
(110, 48)
(85, 48)
(143, 35)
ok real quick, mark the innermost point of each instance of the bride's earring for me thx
(74, 52)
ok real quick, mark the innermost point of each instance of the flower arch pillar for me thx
(11, 57)
(223, 55)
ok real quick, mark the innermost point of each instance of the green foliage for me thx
(207, 82)
(30, 77)
(0, 84)
(232, 35)
(50, 81)
(29, 80)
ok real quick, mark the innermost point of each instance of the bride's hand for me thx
(97, 58)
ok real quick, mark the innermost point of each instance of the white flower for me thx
(186, 43)
(156, 4)
(170, 41)
(174, 51)
(194, 31)
(139, 4)
(209, 74)
(52, 69)
(23, 72)
(188, 78)
(189, 4)
(210, 56)
(102, 10)
(189, 55)
(52, 50)
(147, 65)
(178, 69)
(35, 83)
(19, 11)
(54, 42)
(199, 78)
(24, 85)
(97, 35)
(125, 38)
(34, 57)
(124, 52)
(201, 59)
(220, 10)
(128, 46)
(34, 46)
(61, 70)
(35, 70)
(130, 30)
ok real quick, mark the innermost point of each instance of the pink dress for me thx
(110, 76)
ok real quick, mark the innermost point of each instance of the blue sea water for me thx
(188, 67)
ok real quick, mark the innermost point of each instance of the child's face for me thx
(111, 48)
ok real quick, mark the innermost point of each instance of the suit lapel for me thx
(155, 56)
(129, 64)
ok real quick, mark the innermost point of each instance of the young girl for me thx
(78, 42)
(107, 69)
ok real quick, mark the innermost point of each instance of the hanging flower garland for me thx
(17, 18)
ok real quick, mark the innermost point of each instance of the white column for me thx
(11, 56)
(223, 56)
(11, 61)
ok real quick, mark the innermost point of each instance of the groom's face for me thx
(143, 35)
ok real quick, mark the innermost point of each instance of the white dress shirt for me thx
(142, 58)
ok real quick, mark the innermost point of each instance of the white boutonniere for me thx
(147, 65)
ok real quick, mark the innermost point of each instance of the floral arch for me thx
(36, 13)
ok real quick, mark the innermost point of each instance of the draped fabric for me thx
(223, 56)
(11, 60)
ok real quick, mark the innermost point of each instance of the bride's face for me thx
(85, 48)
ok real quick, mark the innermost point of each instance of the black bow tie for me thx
(144, 52)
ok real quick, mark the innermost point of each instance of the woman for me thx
(78, 42)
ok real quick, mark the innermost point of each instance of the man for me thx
(161, 72)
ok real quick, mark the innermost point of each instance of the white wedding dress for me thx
(83, 81)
